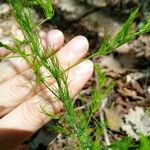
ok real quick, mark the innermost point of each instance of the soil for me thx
(128, 66)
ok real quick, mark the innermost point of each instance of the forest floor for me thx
(125, 109)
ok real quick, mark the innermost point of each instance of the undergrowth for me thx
(77, 125)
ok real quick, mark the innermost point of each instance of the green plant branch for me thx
(24, 19)
(37, 58)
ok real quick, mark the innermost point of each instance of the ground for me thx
(128, 66)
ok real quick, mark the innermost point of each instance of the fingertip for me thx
(79, 75)
(55, 38)
(3, 52)
(85, 69)
(43, 37)
(73, 51)
(90, 65)
(81, 42)
(84, 40)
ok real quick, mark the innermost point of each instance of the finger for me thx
(27, 116)
(7, 41)
(18, 89)
(71, 53)
(53, 38)
(3, 52)
(15, 65)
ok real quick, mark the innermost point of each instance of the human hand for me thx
(20, 104)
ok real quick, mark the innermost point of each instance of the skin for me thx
(20, 103)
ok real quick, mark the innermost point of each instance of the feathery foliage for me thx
(124, 35)
(100, 91)
(124, 144)
(144, 143)
(37, 59)
(78, 125)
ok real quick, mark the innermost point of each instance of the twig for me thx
(101, 114)
(82, 107)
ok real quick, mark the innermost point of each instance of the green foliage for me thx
(24, 19)
(124, 144)
(145, 28)
(77, 124)
(60, 91)
(100, 91)
(144, 143)
(97, 144)
(148, 112)
(124, 35)
(6, 47)
(59, 129)
(47, 7)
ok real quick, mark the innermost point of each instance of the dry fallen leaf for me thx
(114, 117)
(136, 122)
